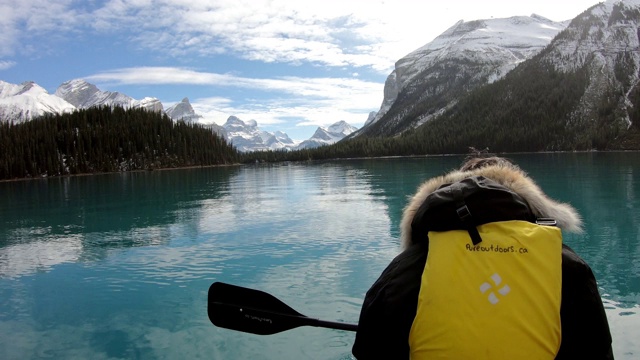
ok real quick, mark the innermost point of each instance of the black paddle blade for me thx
(252, 311)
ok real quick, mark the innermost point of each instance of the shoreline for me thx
(117, 172)
(289, 161)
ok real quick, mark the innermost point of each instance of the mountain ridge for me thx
(466, 55)
(579, 93)
(28, 100)
(19, 105)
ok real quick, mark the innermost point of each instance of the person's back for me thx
(484, 275)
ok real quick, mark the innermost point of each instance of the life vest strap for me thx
(464, 214)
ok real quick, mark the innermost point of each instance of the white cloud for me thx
(5, 64)
(329, 33)
(310, 101)
(280, 115)
(24, 20)
(359, 33)
(321, 88)
(313, 101)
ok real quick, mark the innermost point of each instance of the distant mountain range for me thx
(23, 102)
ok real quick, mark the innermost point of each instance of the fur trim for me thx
(509, 176)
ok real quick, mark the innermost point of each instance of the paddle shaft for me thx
(335, 325)
(257, 312)
(292, 319)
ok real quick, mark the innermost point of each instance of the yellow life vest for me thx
(499, 299)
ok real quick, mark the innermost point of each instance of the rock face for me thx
(183, 111)
(84, 95)
(429, 80)
(603, 42)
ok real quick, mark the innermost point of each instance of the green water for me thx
(118, 266)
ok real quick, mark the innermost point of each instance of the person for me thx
(483, 274)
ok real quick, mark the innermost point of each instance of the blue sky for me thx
(290, 65)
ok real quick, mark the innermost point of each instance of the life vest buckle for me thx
(463, 213)
(546, 222)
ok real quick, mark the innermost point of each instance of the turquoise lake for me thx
(118, 266)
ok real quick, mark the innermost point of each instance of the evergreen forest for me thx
(504, 117)
(105, 139)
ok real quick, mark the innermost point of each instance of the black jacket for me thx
(390, 304)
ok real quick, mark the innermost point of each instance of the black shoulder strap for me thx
(464, 214)
(466, 204)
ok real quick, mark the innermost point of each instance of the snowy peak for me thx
(76, 92)
(283, 138)
(23, 102)
(234, 122)
(507, 41)
(597, 34)
(341, 128)
(28, 88)
(465, 56)
(84, 95)
(246, 136)
(183, 111)
(327, 136)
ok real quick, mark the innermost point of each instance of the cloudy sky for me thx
(291, 65)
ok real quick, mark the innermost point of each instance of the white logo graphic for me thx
(502, 291)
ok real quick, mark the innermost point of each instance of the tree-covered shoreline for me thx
(104, 140)
(107, 140)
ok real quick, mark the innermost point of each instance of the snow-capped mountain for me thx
(328, 136)
(246, 136)
(28, 100)
(580, 92)
(183, 111)
(430, 79)
(23, 102)
(84, 95)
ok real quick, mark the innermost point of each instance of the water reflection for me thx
(118, 266)
(52, 221)
(398, 179)
(24, 258)
(603, 189)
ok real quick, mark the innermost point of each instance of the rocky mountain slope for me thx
(579, 93)
(183, 111)
(604, 43)
(84, 95)
(467, 55)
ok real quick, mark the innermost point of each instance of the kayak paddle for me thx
(256, 312)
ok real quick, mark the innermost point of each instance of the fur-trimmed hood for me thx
(507, 175)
